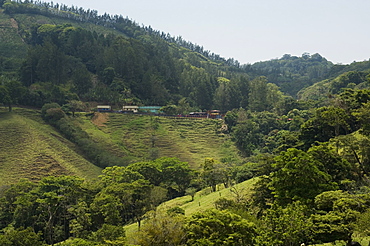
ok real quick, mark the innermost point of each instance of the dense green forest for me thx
(300, 126)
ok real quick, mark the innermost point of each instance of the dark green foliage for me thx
(110, 234)
(170, 173)
(4, 95)
(332, 163)
(213, 227)
(11, 92)
(244, 172)
(345, 79)
(176, 210)
(43, 206)
(54, 114)
(231, 118)
(292, 73)
(48, 106)
(8, 200)
(354, 99)
(337, 215)
(285, 226)
(282, 140)
(247, 136)
(328, 122)
(298, 177)
(21, 237)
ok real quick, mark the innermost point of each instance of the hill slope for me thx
(32, 149)
(142, 137)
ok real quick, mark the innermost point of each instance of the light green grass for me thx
(203, 200)
(32, 149)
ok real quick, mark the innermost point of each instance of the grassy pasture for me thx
(32, 149)
(144, 137)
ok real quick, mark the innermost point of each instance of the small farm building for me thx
(104, 108)
(134, 109)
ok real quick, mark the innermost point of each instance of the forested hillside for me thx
(295, 130)
(292, 73)
(84, 53)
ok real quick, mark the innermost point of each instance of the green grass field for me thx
(143, 137)
(31, 149)
(203, 200)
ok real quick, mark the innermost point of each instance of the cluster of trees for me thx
(351, 79)
(57, 208)
(292, 73)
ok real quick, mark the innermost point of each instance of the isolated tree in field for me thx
(75, 106)
(150, 171)
(116, 175)
(212, 173)
(176, 174)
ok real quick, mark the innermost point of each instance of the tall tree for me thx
(298, 177)
(258, 93)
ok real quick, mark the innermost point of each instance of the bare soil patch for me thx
(99, 119)
(14, 23)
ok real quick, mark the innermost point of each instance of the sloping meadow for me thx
(31, 149)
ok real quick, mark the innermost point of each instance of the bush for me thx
(54, 114)
(48, 106)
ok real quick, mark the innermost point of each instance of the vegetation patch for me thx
(32, 149)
